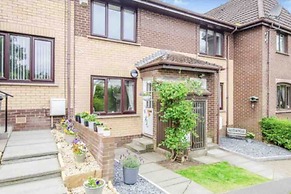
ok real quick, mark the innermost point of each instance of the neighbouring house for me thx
(100, 56)
(261, 60)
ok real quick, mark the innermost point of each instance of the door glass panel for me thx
(129, 95)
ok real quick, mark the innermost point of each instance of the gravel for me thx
(255, 149)
(140, 187)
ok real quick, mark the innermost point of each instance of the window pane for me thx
(203, 41)
(98, 96)
(129, 25)
(98, 19)
(19, 58)
(1, 56)
(43, 60)
(219, 39)
(278, 42)
(129, 96)
(114, 95)
(210, 42)
(114, 17)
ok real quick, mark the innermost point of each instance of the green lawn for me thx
(221, 177)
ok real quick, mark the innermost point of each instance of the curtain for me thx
(129, 90)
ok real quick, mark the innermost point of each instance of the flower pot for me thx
(91, 126)
(80, 157)
(82, 121)
(130, 175)
(98, 190)
(106, 133)
(100, 130)
(86, 123)
(146, 98)
(78, 118)
(69, 138)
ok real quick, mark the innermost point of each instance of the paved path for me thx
(165, 179)
(30, 164)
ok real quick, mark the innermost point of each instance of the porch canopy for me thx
(175, 61)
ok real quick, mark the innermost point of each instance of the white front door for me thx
(148, 112)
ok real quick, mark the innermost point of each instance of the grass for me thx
(221, 177)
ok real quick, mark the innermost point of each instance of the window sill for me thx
(222, 111)
(115, 41)
(118, 116)
(282, 111)
(29, 84)
(211, 57)
(280, 53)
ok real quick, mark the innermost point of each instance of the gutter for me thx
(181, 12)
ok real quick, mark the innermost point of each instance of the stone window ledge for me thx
(281, 53)
(114, 41)
(29, 84)
(211, 57)
(118, 116)
(283, 111)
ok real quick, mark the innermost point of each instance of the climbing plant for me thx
(177, 108)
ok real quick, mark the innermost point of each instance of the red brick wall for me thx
(164, 32)
(248, 79)
(82, 19)
(102, 148)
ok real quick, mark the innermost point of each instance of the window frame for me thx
(215, 44)
(287, 101)
(285, 38)
(122, 7)
(32, 38)
(105, 78)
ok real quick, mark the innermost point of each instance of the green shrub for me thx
(277, 131)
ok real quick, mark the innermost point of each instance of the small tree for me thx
(175, 107)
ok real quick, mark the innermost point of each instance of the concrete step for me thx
(197, 153)
(135, 148)
(211, 146)
(209, 140)
(48, 186)
(205, 159)
(28, 151)
(144, 142)
(29, 171)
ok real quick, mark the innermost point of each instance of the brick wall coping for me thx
(29, 84)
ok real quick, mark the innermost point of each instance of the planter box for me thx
(82, 121)
(91, 126)
(106, 133)
(100, 130)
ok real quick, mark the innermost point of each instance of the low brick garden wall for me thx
(102, 148)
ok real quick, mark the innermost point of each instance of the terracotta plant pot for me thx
(130, 175)
(80, 158)
(94, 191)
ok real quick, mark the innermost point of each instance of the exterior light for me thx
(134, 73)
(84, 3)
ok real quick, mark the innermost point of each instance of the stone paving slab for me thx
(151, 167)
(187, 188)
(273, 187)
(161, 175)
(28, 151)
(207, 160)
(174, 181)
(152, 157)
(48, 186)
(26, 170)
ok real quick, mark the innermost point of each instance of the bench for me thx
(236, 133)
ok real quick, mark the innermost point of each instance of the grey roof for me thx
(172, 58)
(246, 11)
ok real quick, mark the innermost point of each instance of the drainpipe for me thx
(227, 77)
(218, 108)
(69, 58)
(268, 72)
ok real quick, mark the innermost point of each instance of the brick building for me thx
(85, 52)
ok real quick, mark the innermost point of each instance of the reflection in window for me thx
(128, 25)
(114, 95)
(281, 43)
(98, 19)
(43, 60)
(283, 96)
(211, 42)
(19, 68)
(1, 56)
(129, 95)
(114, 19)
(98, 95)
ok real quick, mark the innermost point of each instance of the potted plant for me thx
(146, 96)
(97, 125)
(249, 137)
(79, 150)
(100, 128)
(94, 185)
(130, 164)
(91, 121)
(70, 133)
(78, 117)
(106, 131)
(83, 115)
